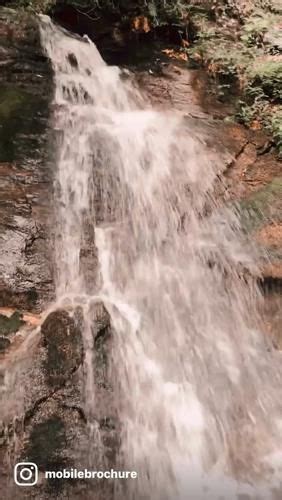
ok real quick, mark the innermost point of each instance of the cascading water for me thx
(198, 392)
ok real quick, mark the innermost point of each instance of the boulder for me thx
(53, 428)
(64, 349)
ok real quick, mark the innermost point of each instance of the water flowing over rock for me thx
(150, 355)
(196, 388)
(49, 424)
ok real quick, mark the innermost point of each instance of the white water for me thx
(198, 393)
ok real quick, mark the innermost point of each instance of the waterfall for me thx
(197, 389)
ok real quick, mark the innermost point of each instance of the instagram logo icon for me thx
(26, 474)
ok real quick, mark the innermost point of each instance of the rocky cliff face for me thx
(45, 421)
(25, 168)
(42, 356)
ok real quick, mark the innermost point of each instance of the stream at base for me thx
(197, 389)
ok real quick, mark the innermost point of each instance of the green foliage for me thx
(160, 11)
(267, 75)
(225, 60)
(255, 28)
(166, 11)
(247, 113)
(269, 117)
(37, 6)
(232, 39)
(275, 127)
(263, 205)
(241, 60)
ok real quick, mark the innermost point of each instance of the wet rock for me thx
(25, 93)
(56, 437)
(46, 442)
(101, 320)
(4, 343)
(252, 175)
(264, 205)
(261, 217)
(21, 57)
(102, 335)
(105, 411)
(104, 32)
(25, 271)
(253, 180)
(11, 324)
(88, 255)
(63, 342)
(272, 312)
(54, 428)
(269, 238)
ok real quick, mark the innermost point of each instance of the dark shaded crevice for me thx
(270, 284)
(32, 239)
(266, 148)
(102, 335)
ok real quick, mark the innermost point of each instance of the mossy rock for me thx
(19, 28)
(102, 333)
(20, 115)
(64, 349)
(47, 446)
(46, 442)
(15, 101)
(263, 206)
(12, 324)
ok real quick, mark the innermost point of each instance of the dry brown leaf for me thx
(173, 54)
(256, 125)
(141, 24)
